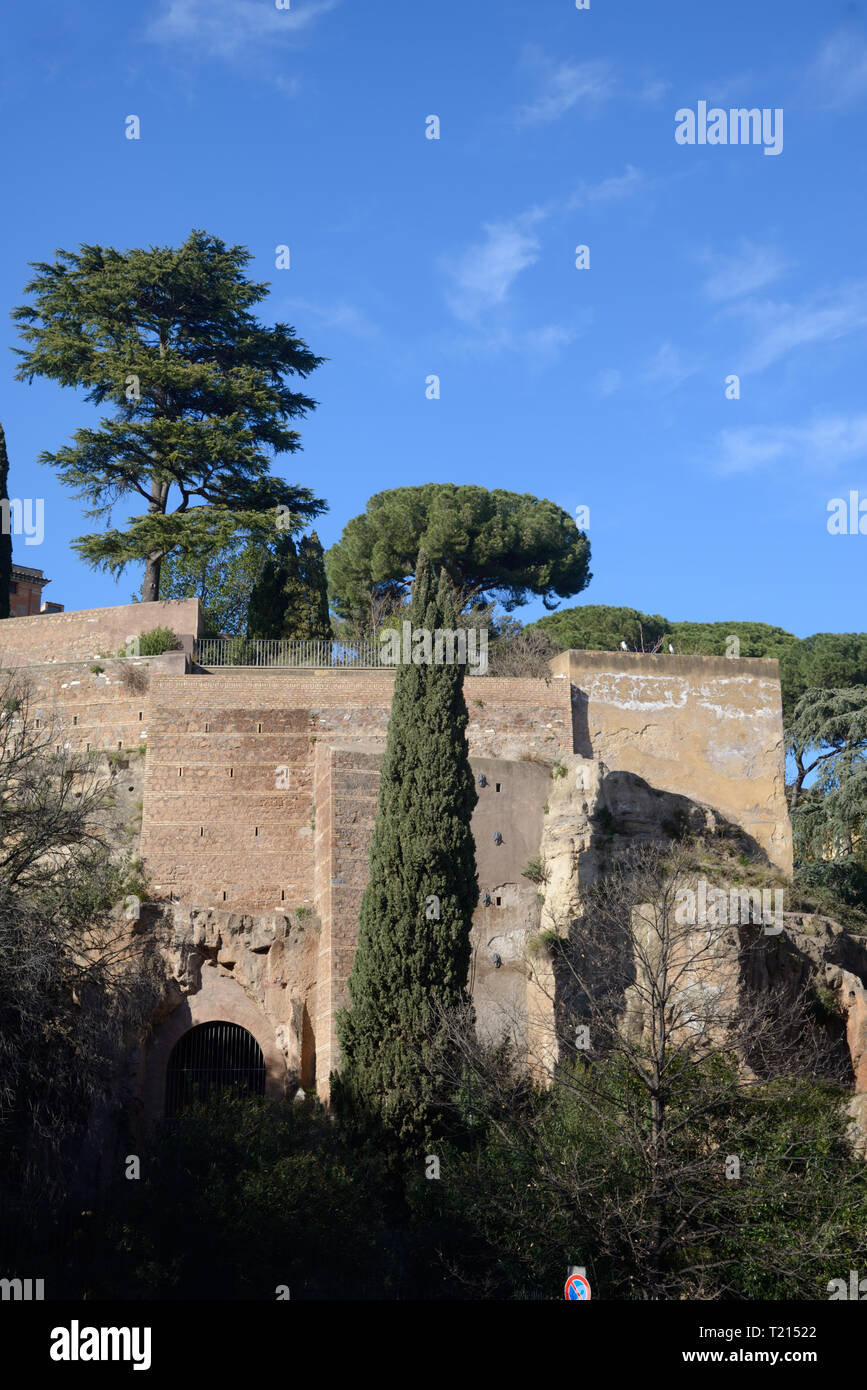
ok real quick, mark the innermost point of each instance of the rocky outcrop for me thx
(594, 816)
(272, 957)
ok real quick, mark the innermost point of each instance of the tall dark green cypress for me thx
(290, 597)
(413, 947)
(311, 559)
(274, 591)
(5, 534)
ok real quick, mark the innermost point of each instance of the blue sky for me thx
(412, 257)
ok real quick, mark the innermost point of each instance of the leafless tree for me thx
(519, 651)
(75, 981)
(673, 1067)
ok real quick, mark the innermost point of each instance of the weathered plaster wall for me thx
(706, 727)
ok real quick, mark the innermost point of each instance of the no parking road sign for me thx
(577, 1289)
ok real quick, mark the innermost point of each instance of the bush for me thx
(844, 878)
(535, 871)
(241, 1196)
(154, 643)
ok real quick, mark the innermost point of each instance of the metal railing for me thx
(246, 651)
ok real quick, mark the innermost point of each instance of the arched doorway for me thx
(212, 1058)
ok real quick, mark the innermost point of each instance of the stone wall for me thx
(51, 637)
(705, 727)
(230, 815)
(259, 794)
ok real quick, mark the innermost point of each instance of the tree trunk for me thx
(159, 497)
(151, 586)
(154, 563)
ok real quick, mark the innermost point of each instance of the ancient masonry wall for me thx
(259, 786)
(47, 637)
(706, 727)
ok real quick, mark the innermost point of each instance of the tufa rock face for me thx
(595, 815)
(269, 957)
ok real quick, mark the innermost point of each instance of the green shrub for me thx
(535, 871)
(154, 642)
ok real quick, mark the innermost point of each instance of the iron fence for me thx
(246, 651)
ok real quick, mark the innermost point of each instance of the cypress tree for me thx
(273, 592)
(413, 949)
(5, 535)
(311, 559)
(290, 598)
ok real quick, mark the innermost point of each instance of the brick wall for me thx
(260, 785)
(217, 743)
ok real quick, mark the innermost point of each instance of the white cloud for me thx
(539, 347)
(342, 316)
(839, 74)
(750, 269)
(484, 274)
(547, 343)
(667, 369)
(564, 85)
(226, 28)
(606, 191)
(828, 443)
(779, 327)
(653, 91)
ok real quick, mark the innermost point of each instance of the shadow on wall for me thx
(580, 723)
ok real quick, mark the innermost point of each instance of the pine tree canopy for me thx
(413, 951)
(828, 736)
(166, 336)
(504, 545)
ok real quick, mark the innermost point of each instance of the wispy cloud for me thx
(839, 74)
(609, 381)
(667, 369)
(826, 443)
(538, 347)
(653, 91)
(483, 275)
(230, 28)
(779, 327)
(565, 85)
(342, 316)
(750, 269)
(547, 343)
(607, 190)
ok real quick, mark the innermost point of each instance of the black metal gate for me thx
(211, 1058)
